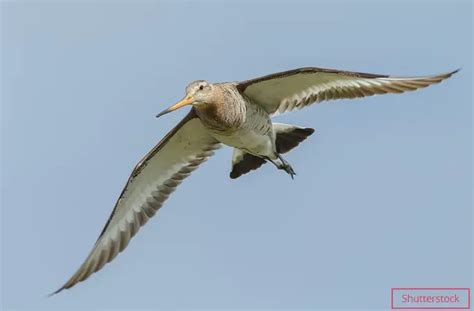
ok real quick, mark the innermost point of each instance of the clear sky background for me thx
(383, 195)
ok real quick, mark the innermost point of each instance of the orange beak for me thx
(188, 100)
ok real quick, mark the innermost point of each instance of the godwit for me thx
(237, 114)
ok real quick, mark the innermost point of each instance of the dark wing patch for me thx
(285, 141)
(248, 163)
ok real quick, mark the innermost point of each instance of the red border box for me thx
(432, 289)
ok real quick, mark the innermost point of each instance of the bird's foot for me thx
(287, 168)
(283, 165)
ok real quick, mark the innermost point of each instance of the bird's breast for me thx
(222, 117)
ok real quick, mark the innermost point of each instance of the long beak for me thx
(188, 100)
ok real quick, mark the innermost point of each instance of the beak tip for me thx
(161, 113)
(187, 101)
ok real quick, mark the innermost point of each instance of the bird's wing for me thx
(180, 152)
(289, 90)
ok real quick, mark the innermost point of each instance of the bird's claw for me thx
(287, 168)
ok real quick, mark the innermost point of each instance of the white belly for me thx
(249, 141)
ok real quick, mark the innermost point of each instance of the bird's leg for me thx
(283, 165)
(286, 166)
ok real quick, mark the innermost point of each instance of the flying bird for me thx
(236, 114)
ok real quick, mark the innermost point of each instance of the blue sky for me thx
(383, 195)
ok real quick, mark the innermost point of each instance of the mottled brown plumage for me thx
(223, 110)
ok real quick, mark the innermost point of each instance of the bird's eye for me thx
(201, 87)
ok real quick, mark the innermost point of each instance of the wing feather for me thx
(290, 90)
(153, 179)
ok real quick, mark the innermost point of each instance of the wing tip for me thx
(72, 281)
(449, 73)
(454, 71)
(435, 78)
(55, 292)
(446, 75)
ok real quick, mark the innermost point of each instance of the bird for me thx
(238, 115)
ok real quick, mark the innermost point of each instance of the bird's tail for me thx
(287, 137)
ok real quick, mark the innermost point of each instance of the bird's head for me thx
(197, 93)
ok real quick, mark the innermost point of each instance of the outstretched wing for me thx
(180, 152)
(289, 90)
